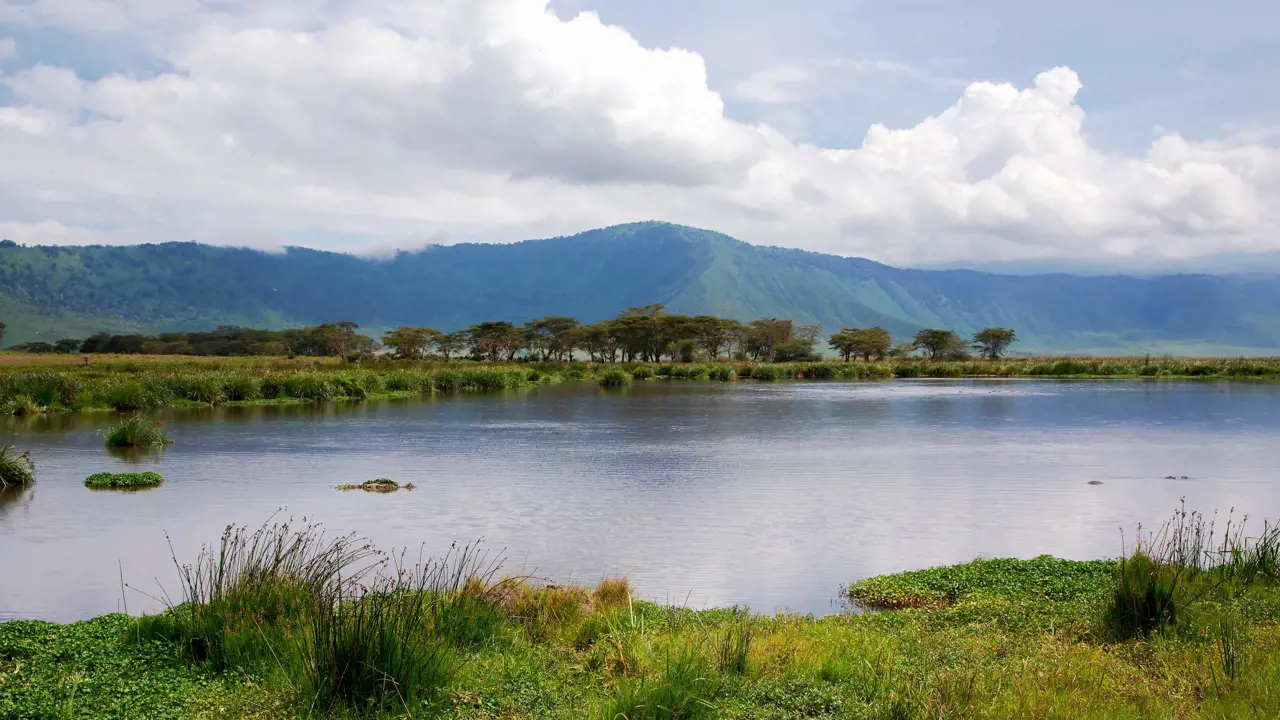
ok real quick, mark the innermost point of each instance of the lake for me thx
(768, 495)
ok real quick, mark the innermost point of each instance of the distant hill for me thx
(52, 292)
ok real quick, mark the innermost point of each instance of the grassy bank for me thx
(265, 632)
(130, 386)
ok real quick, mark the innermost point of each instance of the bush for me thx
(615, 378)
(16, 471)
(767, 373)
(137, 431)
(643, 372)
(106, 480)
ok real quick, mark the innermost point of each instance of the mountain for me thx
(52, 292)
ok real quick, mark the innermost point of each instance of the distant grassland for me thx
(36, 383)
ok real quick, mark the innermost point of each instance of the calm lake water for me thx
(772, 496)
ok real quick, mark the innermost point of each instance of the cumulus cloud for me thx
(800, 80)
(407, 122)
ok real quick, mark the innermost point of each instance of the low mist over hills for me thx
(52, 292)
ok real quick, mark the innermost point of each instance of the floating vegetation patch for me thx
(380, 485)
(122, 481)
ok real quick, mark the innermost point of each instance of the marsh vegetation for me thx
(284, 622)
(123, 481)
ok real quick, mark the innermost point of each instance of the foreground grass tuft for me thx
(137, 431)
(106, 480)
(16, 470)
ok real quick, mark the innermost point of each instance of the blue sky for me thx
(916, 132)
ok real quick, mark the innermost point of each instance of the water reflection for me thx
(768, 495)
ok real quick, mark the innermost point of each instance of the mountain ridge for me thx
(47, 291)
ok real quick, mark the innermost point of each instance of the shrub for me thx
(615, 378)
(137, 431)
(16, 471)
(106, 480)
(643, 372)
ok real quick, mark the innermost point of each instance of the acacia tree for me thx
(410, 342)
(338, 338)
(992, 342)
(450, 344)
(765, 334)
(495, 340)
(938, 344)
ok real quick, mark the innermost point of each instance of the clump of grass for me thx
(733, 646)
(16, 471)
(21, 405)
(106, 480)
(613, 593)
(685, 690)
(137, 431)
(642, 373)
(380, 485)
(1182, 564)
(615, 378)
(721, 373)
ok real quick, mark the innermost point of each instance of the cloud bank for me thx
(403, 122)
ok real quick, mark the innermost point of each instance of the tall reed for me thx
(16, 471)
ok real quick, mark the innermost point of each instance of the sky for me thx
(914, 132)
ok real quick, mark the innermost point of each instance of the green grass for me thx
(264, 629)
(133, 386)
(615, 378)
(381, 485)
(16, 470)
(136, 431)
(106, 480)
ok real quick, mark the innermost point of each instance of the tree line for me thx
(640, 334)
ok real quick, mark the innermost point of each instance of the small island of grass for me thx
(137, 431)
(380, 485)
(122, 481)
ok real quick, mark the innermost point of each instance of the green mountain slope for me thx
(48, 292)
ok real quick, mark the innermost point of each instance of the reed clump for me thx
(123, 481)
(16, 469)
(615, 378)
(137, 431)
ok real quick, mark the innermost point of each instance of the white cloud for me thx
(8, 48)
(495, 119)
(799, 80)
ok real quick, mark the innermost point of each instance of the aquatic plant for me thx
(381, 485)
(16, 471)
(615, 378)
(137, 431)
(721, 373)
(107, 480)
